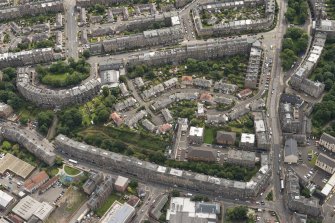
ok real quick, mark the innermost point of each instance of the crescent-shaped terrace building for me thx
(53, 98)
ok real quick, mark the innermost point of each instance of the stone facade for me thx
(55, 98)
(154, 173)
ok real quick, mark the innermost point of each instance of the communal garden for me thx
(229, 69)
(297, 12)
(63, 74)
(227, 15)
(295, 43)
(330, 9)
(323, 114)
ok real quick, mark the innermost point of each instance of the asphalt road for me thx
(71, 29)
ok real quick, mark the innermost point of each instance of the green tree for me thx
(237, 213)
(86, 54)
(175, 193)
(105, 91)
(71, 118)
(6, 145)
(24, 120)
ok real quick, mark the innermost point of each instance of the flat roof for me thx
(121, 181)
(28, 206)
(259, 126)
(248, 138)
(15, 165)
(194, 131)
(5, 199)
(119, 213)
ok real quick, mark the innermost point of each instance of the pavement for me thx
(71, 29)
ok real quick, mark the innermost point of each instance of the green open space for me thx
(227, 171)
(209, 135)
(330, 9)
(35, 45)
(232, 14)
(107, 204)
(323, 114)
(71, 170)
(140, 144)
(295, 43)
(297, 11)
(229, 69)
(63, 74)
(244, 124)
(314, 157)
(18, 151)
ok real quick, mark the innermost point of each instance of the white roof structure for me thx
(194, 131)
(28, 206)
(329, 186)
(5, 199)
(185, 205)
(110, 76)
(119, 213)
(121, 181)
(259, 126)
(175, 20)
(248, 138)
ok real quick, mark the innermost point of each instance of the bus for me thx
(73, 161)
(281, 185)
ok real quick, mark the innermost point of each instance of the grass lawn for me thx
(71, 171)
(54, 172)
(313, 160)
(209, 135)
(107, 204)
(136, 139)
(74, 199)
(56, 77)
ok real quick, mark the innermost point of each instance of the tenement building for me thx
(299, 79)
(31, 8)
(151, 172)
(298, 203)
(29, 57)
(164, 36)
(55, 98)
(235, 26)
(210, 49)
(327, 141)
(30, 140)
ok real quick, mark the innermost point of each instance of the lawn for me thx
(55, 77)
(54, 172)
(209, 135)
(71, 171)
(137, 139)
(107, 204)
(244, 124)
(313, 160)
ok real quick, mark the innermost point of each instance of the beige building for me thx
(327, 141)
(5, 110)
(325, 163)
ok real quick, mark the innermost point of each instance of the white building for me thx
(196, 135)
(5, 200)
(182, 209)
(247, 140)
(29, 207)
(110, 77)
(119, 213)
